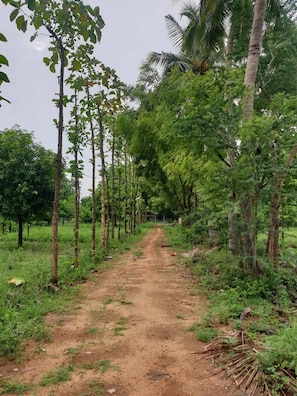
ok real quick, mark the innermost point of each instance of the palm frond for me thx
(175, 31)
(191, 11)
(169, 61)
(241, 361)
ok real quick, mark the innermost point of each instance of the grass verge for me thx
(25, 274)
(270, 328)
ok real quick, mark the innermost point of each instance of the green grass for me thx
(107, 302)
(203, 333)
(179, 316)
(72, 352)
(94, 331)
(272, 298)
(96, 389)
(14, 387)
(22, 307)
(62, 374)
(103, 366)
(120, 326)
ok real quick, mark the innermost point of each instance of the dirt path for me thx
(128, 336)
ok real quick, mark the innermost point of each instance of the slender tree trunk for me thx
(101, 144)
(20, 231)
(119, 201)
(255, 46)
(249, 234)
(134, 197)
(55, 216)
(107, 211)
(126, 195)
(229, 48)
(102, 199)
(76, 219)
(233, 232)
(272, 244)
(112, 185)
(76, 189)
(131, 201)
(234, 238)
(93, 161)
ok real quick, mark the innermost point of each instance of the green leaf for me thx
(14, 3)
(14, 14)
(24, 26)
(31, 4)
(37, 22)
(98, 32)
(84, 33)
(3, 77)
(2, 37)
(76, 64)
(21, 23)
(55, 58)
(100, 22)
(92, 36)
(32, 38)
(3, 60)
(52, 68)
(46, 60)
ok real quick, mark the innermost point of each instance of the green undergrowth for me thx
(59, 376)
(25, 301)
(271, 297)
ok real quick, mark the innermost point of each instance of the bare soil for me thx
(128, 334)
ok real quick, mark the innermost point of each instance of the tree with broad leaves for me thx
(66, 22)
(26, 178)
(82, 79)
(21, 23)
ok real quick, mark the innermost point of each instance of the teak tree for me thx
(108, 101)
(21, 24)
(66, 24)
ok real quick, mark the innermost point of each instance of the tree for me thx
(108, 101)
(66, 24)
(247, 201)
(282, 157)
(76, 138)
(21, 25)
(199, 42)
(26, 178)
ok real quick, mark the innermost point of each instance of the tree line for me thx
(222, 120)
(211, 140)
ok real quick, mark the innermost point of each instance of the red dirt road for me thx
(128, 335)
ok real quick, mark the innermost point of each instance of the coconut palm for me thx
(199, 43)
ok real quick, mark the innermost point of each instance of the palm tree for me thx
(202, 39)
(247, 201)
(199, 43)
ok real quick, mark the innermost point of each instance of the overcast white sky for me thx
(132, 29)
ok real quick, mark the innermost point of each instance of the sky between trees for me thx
(132, 29)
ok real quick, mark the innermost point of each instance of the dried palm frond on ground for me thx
(242, 361)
